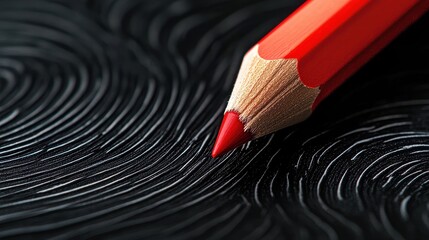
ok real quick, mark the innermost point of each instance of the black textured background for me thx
(109, 109)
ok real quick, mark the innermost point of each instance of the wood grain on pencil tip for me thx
(106, 124)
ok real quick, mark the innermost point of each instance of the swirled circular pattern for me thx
(108, 110)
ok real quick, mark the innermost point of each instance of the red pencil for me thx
(307, 56)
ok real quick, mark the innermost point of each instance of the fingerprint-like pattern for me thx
(108, 110)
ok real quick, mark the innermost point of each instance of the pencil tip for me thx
(231, 134)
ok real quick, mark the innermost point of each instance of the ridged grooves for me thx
(109, 109)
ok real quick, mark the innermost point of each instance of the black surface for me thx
(109, 109)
